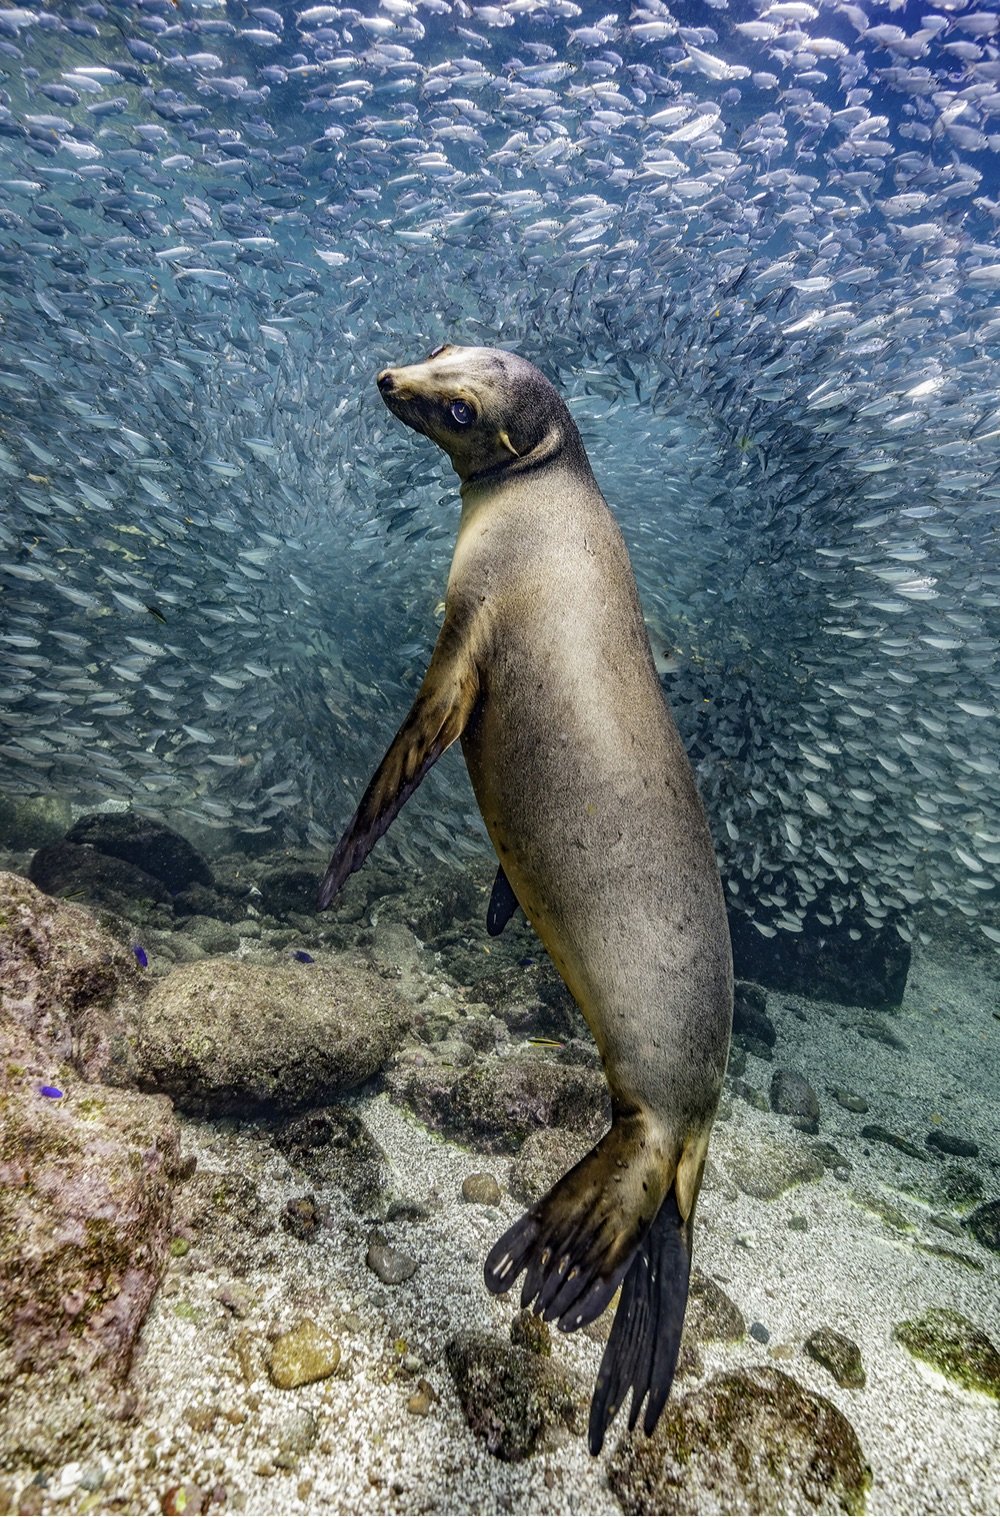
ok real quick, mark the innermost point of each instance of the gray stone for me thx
(793, 1096)
(769, 1168)
(510, 1396)
(70, 869)
(984, 1225)
(391, 1265)
(148, 845)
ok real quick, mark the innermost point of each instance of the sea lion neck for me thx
(559, 446)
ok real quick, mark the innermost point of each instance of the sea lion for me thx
(543, 668)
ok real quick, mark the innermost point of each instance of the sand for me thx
(349, 1444)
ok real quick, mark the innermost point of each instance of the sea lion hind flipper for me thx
(641, 1353)
(503, 904)
(437, 717)
(578, 1242)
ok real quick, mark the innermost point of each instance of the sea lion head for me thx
(491, 411)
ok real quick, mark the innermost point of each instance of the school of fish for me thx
(755, 244)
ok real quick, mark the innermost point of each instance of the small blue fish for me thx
(141, 956)
(303, 957)
(52, 1091)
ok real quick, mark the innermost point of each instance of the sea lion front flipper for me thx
(503, 904)
(437, 717)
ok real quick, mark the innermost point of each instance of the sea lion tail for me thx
(641, 1353)
(579, 1241)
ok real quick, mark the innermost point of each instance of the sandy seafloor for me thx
(932, 1447)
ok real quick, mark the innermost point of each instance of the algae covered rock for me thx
(85, 1204)
(767, 1167)
(67, 987)
(497, 1103)
(222, 1036)
(148, 845)
(955, 1347)
(542, 1159)
(711, 1316)
(984, 1225)
(510, 1396)
(749, 1441)
(332, 1146)
(840, 1355)
(71, 869)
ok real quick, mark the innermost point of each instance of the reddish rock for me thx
(67, 988)
(85, 1186)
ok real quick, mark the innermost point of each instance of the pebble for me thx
(305, 1354)
(848, 1100)
(760, 1332)
(390, 1264)
(482, 1189)
(180, 1499)
(423, 1398)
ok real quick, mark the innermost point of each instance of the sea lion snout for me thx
(386, 382)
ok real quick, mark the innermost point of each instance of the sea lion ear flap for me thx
(505, 442)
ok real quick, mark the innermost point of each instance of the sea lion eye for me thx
(462, 412)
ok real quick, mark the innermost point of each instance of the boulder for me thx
(824, 962)
(67, 988)
(150, 846)
(224, 1037)
(71, 869)
(752, 1440)
(85, 1203)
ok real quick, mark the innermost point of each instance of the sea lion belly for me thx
(589, 800)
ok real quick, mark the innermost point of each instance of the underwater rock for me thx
(303, 1217)
(793, 1096)
(767, 1167)
(848, 1099)
(840, 1355)
(543, 1158)
(70, 869)
(221, 904)
(533, 1333)
(878, 1031)
(392, 1266)
(711, 1316)
(749, 1441)
(29, 822)
(950, 1143)
(210, 935)
(481, 1190)
(824, 962)
(497, 1103)
(227, 1037)
(750, 1018)
(955, 1347)
(225, 1213)
(289, 889)
(876, 1133)
(984, 1225)
(447, 898)
(332, 1146)
(510, 1396)
(304, 1354)
(67, 988)
(85, 1220)
(150, 846)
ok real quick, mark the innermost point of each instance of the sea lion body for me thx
(543, 669)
